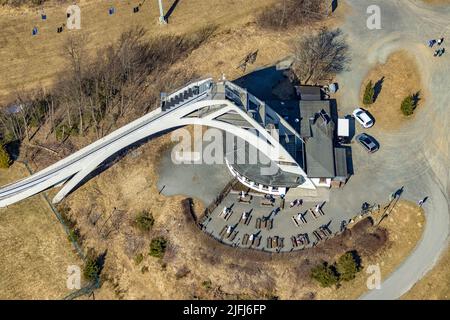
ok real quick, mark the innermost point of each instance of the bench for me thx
(295, 221)
(256, 242)
(269, 242)
(258, 223)
(313, 214)
(233, 235)
(222, 233)
(294, 241)
(275, 242)
(245, 239)
(280, 242)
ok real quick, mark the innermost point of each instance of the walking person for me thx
(422, 201)
(440, 41)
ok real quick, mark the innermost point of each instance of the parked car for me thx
(363, 118)
(368, 142)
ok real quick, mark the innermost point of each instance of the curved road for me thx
(417, 156)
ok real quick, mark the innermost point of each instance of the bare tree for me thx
(291, 13)
(321, 56)
(75, 49)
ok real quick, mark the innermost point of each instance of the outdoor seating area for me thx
(300, 241)
(261, 222)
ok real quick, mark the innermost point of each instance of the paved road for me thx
(417, 156)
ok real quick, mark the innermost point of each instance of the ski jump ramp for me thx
(198, 103)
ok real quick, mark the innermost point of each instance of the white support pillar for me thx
(162, 20)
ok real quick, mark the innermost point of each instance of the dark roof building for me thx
(317, 130)
(309, 93)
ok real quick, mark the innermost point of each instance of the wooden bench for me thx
(280, 242)
(267, 224)
(295, 221)
(228, 215)
(269, 242)
(245, 239)
(258, 223)
(313, 214)
(256, 242)
(222, 233)
(317, 235)
(275, 242)
(233, 235)
(294, 241)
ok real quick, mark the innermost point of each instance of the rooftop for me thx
(317, 129)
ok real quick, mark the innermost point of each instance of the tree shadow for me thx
(171, 10)
(100, 261)
(416, 97)
(356, 258)
(377, 88)
(334, 5)
(13, 149)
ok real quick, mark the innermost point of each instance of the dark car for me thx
(369, 143)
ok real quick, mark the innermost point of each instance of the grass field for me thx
(435, 285)
(398, 78)
(30, 61)
(35, 251)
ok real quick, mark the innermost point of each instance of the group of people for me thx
(440, 50)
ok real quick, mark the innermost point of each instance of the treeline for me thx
(121, 83)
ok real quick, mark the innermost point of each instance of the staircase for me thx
(185, 95)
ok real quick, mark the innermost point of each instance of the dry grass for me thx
(435, 285)
(36, 61)
(405, 226)
(129, 186)
(31, 62)
(401, 78)
(437, 2)
(35, 251)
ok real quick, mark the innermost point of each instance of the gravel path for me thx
(417, 156)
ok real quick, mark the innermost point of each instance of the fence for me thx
(90, 287)
(218, 200)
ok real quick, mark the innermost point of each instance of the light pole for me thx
(162, 20)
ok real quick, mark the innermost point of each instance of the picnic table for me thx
(247, 219)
